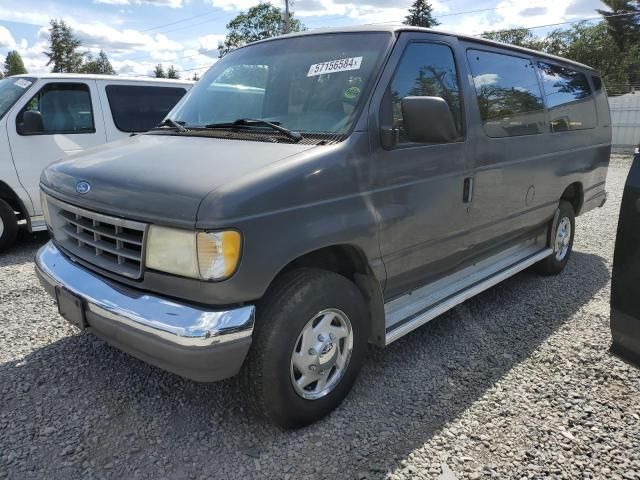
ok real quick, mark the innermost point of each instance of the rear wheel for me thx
(8, 226)
(309, 343)
(562, 241)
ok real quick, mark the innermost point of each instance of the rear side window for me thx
(597, 82)
(429, 70)
(568, 97)
(137, 108)
(508, 94)
(59, 108)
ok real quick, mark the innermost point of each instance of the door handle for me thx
(467, 190)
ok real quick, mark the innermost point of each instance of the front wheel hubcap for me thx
(563, 238)
(321, 354)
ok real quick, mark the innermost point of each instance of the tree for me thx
(13, 64)
(421, 15)
(159, 71)
(195, 77)
(100, 65)
(594, 46)
(171, 72)
(521, 37)
(63, 52)
(623, 20)
(260, 21)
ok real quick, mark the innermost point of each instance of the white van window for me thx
(138, 108)
(508, 94)
(58, 108)
(426, 69)
(568, 97)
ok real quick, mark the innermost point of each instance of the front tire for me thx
(310, 340)
(8, 226)
(562, 242)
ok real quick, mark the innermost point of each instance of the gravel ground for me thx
(515, 383)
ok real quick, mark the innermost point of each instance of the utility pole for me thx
(287, 17)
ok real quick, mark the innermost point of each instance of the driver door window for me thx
(425, 70)
(58, 108)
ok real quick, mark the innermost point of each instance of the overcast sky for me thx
(138, 34)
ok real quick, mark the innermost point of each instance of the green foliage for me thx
(260, 21)
(593, 45)
(521, 37)
(172, 73)
(63, 52)
(623, 20)
(421, 15)
(100, 65)
(13, 64)
(159, 71)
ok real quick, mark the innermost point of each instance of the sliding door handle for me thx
(467, 190)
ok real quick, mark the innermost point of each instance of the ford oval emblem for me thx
(83, 187)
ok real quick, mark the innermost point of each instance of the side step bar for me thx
(414, 309)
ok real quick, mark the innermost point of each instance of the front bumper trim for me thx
(180, 324)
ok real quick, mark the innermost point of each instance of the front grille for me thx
(110, 243)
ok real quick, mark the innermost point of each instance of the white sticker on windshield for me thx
(22, 83)
(342, 65)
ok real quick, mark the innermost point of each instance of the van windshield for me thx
(314, 83)
(11, 89)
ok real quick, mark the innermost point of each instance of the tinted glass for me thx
(11, 89)
(429, 70)
(138, 108)
(597, 83)
(64, 108)
(508, 94)
(568, 98)
(315, 83)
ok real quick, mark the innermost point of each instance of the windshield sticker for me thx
(22, 83)
(342, 65)
(352, 93)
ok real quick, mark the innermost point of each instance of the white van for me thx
(45, 117)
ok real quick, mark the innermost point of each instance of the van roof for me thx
(406, 28)
(111, 78)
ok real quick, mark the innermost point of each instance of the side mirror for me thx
(31, 123)
(428, 120)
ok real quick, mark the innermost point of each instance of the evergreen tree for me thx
(172, 73)
(159, 71)
(195, 77)
(13, 64)
(63, 53)
(260, 21)
(420, 15)
(100, 65)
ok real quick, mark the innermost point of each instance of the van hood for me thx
(158, 178)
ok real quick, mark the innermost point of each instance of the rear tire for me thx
(311, 324)
(8, 226)
(562, 242)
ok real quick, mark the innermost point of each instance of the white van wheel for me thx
(8, 226)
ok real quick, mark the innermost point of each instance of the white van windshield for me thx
(11, 89)
(313, 83)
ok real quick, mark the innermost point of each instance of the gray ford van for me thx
(317, 192)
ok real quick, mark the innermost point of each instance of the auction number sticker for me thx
(22, 83)
(342, 65)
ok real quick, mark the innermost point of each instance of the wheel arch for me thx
(8, 195)
(350, 262)
(574, 194)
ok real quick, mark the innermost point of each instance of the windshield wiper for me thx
(250, 122)
(170, 122)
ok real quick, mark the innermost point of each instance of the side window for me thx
(568, 97)
(137, 108)
(57, 108)
(426, 69)
(597, 82)
(508, 94)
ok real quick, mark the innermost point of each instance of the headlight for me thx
(204, 255)
(45, 208)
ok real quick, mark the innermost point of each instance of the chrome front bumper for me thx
(195, 342)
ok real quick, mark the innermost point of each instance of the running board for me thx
(406, 313)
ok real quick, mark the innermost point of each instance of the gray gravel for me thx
(515, 383)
